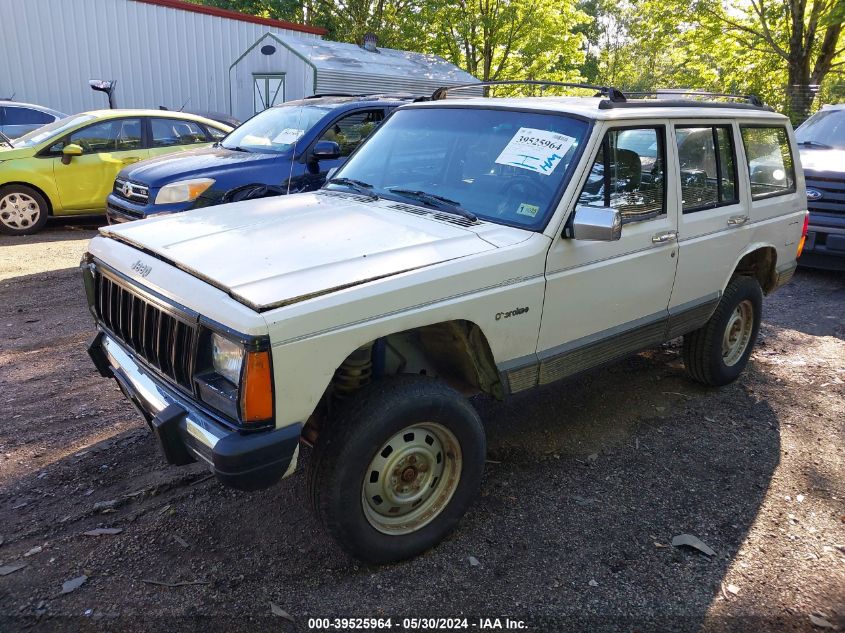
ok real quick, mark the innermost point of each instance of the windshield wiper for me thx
(432, 199)
(236, 148)
(7, 140)
(359, 186)
(809, 143)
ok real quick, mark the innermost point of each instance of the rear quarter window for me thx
(771, 168)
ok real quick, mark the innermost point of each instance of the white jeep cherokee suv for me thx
(470, 245)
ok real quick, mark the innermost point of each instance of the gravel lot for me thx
(588, 482)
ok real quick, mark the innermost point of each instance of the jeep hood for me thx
(276, 251)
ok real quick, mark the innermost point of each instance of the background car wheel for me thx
(22, 210)
(717, 353)
(395, 472)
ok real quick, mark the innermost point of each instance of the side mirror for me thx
(325, 150)
(600, 224)
(69, 151)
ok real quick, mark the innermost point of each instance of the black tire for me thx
(346, 450)
(17, 219)
(704, 357)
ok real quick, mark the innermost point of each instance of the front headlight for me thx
(227, 358)
(183, 190)
(236, 378)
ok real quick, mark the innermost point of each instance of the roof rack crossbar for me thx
(678, 92)
(613, 94)
(373, 95)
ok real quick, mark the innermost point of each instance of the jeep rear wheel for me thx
(23, 210)
(395, 472)
(717, 353)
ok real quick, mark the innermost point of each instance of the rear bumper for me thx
(247, 461)
(825, 244)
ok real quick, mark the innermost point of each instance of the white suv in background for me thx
(470, 245)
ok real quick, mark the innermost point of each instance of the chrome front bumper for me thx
(247, 461)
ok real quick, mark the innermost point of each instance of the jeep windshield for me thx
(274, 130)
(499, 165)
(823, 130)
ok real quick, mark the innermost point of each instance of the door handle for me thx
(737, 220)
(661, 238)
(130, 159)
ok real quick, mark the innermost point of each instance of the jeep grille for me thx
(159, 334)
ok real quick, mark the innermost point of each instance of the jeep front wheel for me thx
(394, 473)
(716, 353)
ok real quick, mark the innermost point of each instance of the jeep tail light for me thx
(803, 234)
(257, 388)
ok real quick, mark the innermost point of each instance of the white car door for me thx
(606, 299)
(713, 220)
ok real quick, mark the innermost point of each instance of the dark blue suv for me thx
(288, 148)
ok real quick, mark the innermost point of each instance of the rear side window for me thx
(770, 164)
(629, 174)
(172, 132)
(26, 116)
(707, 167)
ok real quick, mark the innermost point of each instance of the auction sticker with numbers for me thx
(535, 150)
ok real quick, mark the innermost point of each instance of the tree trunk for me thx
(798, 89)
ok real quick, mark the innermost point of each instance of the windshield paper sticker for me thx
(531, 210)
(535, 150)
(288, 136)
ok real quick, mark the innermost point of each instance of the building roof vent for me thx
(370, 43)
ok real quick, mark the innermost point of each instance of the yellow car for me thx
(68, 167)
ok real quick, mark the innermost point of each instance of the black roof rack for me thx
(398, 96)
(613, 94)
(750, 99)
(331, 94)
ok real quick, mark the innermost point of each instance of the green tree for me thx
(504, 39)
(804, 34)
(290, 10)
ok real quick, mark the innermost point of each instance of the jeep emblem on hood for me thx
(141, 268)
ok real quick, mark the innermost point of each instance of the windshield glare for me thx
(274, 129)
(501, 165)
(51, 130)
(826, 127)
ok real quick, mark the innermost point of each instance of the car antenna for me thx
(12, 98)
(296, 140)
(184, 104)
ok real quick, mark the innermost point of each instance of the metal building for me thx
(173, 53)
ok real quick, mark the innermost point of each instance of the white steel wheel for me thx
(717, 352)
(396, 469)
(412, 477)
(738, 333)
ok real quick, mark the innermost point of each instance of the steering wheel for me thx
(524, 189)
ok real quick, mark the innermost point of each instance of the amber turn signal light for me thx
(803, 235)
(257, 388)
